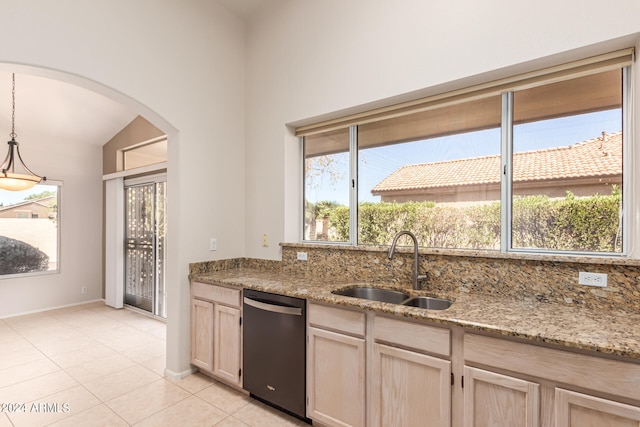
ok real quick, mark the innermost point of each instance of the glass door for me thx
(145, 230)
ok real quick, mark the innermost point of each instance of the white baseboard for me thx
(180, 375)
(50, 308)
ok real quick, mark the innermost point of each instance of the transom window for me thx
(532, 163)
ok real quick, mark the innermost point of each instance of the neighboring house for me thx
(585, 168)
(37, 208)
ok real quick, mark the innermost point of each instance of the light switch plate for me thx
(213, 244)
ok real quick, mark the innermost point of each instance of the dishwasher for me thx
(274, 350)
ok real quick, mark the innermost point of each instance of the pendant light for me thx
(23, 178)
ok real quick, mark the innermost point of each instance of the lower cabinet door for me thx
(581, 410)
(227, 343)
(495, 400)
(335, 378)
(202, 334)
(409, 389)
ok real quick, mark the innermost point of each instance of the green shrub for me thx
(590, 224)
(17, 257)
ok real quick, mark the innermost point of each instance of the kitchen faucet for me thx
(417, 279)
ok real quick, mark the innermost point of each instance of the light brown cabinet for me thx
(582, 410)
(409, 387)
(202, 334)
(227, 343)
(216, 332)
(520, 399)
(495, 400)
(369, 370)
(336, 366)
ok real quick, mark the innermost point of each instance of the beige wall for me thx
(381, 53)
(139, 130)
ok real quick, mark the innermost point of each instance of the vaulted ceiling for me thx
(46, 107)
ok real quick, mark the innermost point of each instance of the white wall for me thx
(309, 59)
(180, 63)
(78, 166)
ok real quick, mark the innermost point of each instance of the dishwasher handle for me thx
(294, 311)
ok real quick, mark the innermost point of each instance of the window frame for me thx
(506, 153)
(59, 186)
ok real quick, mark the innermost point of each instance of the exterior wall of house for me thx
(26, 211)
(462, 196)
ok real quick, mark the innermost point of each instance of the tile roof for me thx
(597, 157)
(43, 201)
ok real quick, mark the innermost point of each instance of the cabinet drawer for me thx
(337, 319)
(595, 373)
(412, 335)
(220, 294)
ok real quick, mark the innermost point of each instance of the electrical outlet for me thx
(265, 240)
(213, 244)
(302, 256)
(592, 279)
(83, 290)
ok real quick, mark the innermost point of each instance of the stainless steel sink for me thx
(395, 297)
(374, 294)
(428, 303)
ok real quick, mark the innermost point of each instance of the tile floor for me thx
(91, 365)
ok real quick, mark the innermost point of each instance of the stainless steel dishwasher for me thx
(274, 350)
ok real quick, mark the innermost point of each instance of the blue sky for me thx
(377, 163)
(13, 197)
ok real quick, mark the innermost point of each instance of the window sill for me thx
(472, 253)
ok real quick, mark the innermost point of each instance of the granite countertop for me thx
(607, 332)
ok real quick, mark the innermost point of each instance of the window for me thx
(326, 189)
(567, 165)
(531, 163)
(149, 153)
(29, 230)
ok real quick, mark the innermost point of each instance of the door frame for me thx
(138, 181)
(114, 230)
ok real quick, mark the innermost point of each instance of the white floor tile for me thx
(257, 414)
(192, 412)
(99, 367)
(20, 353)
(108, 366)
(37, 388)
(99, 416)
(55, 407)
(27, 371)
(146, 401)
(121, 382)
(224, 397)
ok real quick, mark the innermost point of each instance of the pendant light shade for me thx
(14, 174)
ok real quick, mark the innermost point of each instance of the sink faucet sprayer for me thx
(417, 279)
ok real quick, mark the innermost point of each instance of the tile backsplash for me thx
(551, 279)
